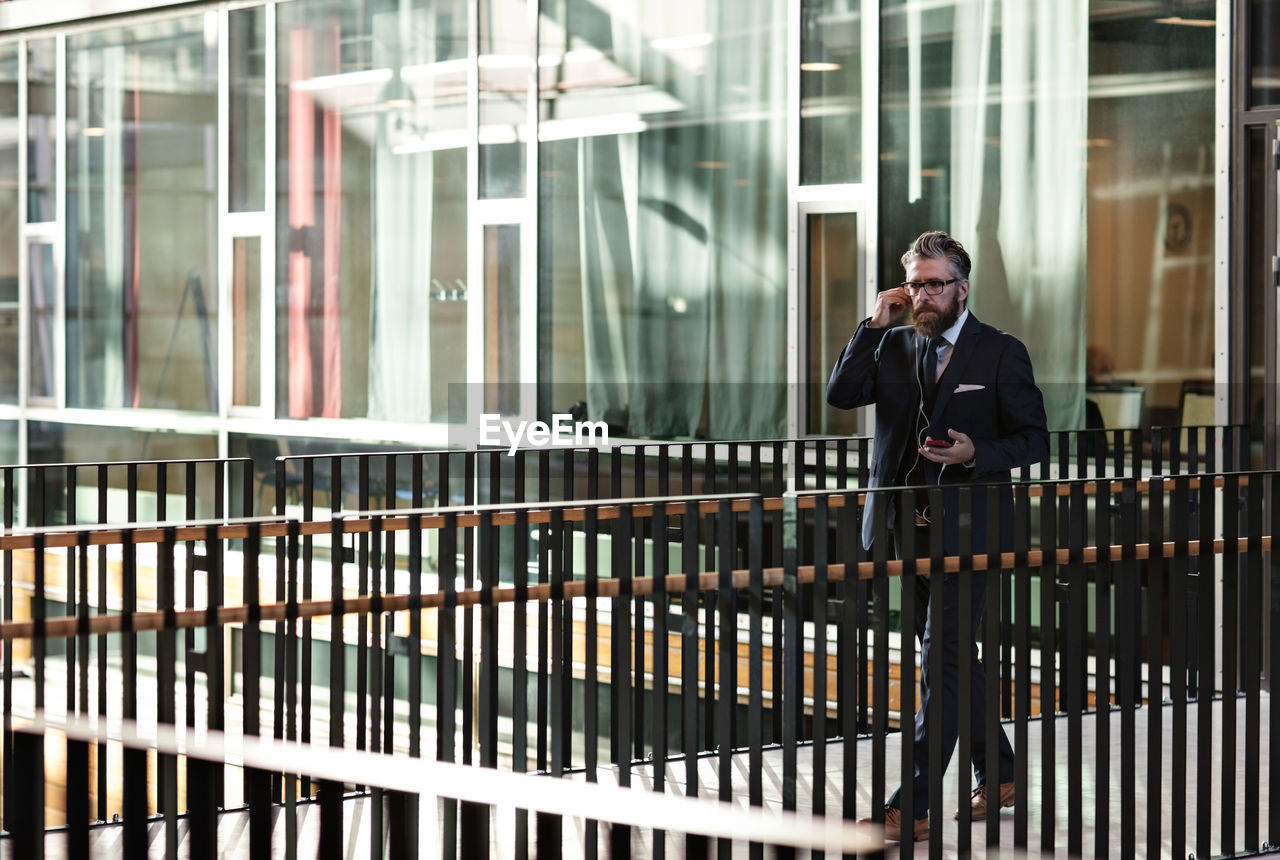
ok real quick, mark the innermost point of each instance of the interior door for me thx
(833, 285)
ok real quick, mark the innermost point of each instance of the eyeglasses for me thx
(933, 286)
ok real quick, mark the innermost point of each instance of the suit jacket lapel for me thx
(961, 352)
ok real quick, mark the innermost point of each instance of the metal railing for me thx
(581, 638)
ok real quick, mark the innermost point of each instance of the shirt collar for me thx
(952, 333)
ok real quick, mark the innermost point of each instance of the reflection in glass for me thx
(662, 228)
(247, 108)
(1264, 53)
(246, 317)
(505, 64)
(1079, 178)
(141, 217)
(502, 319)
(831, 92)
(49, 442)
(41, 379)
(41, 131)
(834, 311)
(372, 208)
(1259, 287)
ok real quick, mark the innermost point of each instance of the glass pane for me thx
(49, 442)
(1081, 181)
(141, 317)
(834, 290)
(41, 380)
(1264, 53)
(502, 319)
(246, 324)
(505, 64)
(372, 210)
(247, 115)
(1258, 279)
(831, 92)
(41, 131)
(662, 229)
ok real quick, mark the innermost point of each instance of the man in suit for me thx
(945, 378)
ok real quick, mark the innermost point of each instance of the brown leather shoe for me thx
(978, 805)
(893, 825)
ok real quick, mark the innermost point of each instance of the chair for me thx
(1120, 407)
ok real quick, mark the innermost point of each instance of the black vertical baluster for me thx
(880, 552)
(257, 784)
(289, 781)
(166, 690)
(82, 612)
(755, 661)
(69, 606)
(520, 657)
(639, 564)
(561, 681)
(1231, 564)
(564, 542)
(820, 576)
(1022, 645)
(415, 636)
(329, 799)
(623, 530)
(202, 809)
(996, 526)
(965, 599)
(689, 654)
(792, 702)
(193, 560)
(337, 661)
(1127, 675)
(77, 799)
(1179, 586)
(848, 541)
(1076, 680)
(661, 668)
(135, 788)
(1273, 625)
(542, 711)
(11, 786)
(25, 802)
(727, 688)
(708, 601)
(447, 674)
(907, 655)
(305, 680)
(1048, 652)
(936, 632)
(1251, 652)
(591, 654)
(1103, 509)
(376, 686)
(774, 559)
(215, 670)
(38, 612)
(1155, 654)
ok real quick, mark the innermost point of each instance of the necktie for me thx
(930, 370)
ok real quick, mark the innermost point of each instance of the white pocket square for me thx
(964, 386)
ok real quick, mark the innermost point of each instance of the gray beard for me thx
(933, 324)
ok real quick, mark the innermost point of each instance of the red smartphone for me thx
(938, 443)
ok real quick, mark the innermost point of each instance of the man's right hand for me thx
(890, 305)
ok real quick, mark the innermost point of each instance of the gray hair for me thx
(936, 245)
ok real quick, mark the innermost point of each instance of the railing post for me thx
(792, 649)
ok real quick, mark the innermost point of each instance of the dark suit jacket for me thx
(988, 391)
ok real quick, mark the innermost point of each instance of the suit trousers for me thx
(946, 600)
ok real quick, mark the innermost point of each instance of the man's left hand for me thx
(961, 452)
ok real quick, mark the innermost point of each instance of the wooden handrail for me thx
(62, 627)
(361, 522)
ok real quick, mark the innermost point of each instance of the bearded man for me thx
(956, 403)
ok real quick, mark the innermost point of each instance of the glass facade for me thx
(664, 214)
